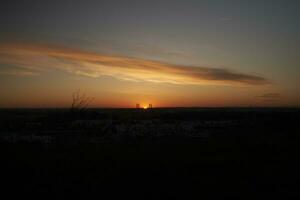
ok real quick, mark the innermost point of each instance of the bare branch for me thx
(80, 101)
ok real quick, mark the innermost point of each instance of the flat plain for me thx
(169, 153)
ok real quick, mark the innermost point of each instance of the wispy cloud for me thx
(269, 97)
(39, 57)
(18, 72)
(150, 50)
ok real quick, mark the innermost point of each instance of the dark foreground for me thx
(151, 154)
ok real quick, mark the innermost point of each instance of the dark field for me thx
(248, 153)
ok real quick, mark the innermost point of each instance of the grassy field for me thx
(180, 153)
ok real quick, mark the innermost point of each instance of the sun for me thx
(145, 107)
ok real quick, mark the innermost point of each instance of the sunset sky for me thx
(171, 53)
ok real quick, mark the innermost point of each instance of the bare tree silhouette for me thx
(80, 101)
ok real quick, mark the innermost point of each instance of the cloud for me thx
(152, 50)
(270, 96)
(40, 57)
(18, 72)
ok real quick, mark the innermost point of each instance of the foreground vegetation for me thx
(151, 154)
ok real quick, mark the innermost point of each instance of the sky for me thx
(170, 53)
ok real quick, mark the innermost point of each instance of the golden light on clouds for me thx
(36, 58)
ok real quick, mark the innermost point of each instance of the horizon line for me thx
(163, 107)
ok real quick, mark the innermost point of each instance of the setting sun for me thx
(182, 97)
(134, 61)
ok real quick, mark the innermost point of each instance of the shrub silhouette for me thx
(80, 101)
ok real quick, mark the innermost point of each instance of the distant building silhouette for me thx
(137, 105)
(150, 105)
